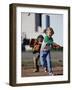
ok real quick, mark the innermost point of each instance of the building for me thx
(33, 25)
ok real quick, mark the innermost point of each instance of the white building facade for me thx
(34, 24)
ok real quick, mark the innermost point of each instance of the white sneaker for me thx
(45, 70)
(51, 74)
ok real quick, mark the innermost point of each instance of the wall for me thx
(56, 22)
(28, 25)
(4, 45)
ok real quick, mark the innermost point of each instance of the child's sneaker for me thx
(35, 70)
(45, 70)
(50, 74)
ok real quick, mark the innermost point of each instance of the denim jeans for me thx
(45, 60)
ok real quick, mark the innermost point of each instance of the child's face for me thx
(49, 33)
(40, 39)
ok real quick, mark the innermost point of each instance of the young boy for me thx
(45, 56)
(36, 52)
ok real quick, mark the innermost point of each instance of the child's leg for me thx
(44, 60)
(36, 66)
(37, 63)
(41, 58)
(49, 63)
(34, 62)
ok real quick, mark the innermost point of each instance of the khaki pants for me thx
(36, 62)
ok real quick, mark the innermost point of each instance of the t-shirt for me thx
(48, 41)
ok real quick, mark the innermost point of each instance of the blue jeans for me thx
(45, 60)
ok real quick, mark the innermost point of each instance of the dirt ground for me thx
(27, 67)
(30, 72)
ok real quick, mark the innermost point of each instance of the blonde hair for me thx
(51, 29)
(45, 31)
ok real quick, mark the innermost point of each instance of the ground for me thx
(29, 72)
(28, 67)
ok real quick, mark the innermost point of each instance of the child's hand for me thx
(47, 47)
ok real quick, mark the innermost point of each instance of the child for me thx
(45, 56)
(36, 52)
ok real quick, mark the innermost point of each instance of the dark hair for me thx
(40, 36)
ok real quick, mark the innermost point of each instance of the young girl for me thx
(45, 56)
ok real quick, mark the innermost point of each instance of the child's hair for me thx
(40, 37)
(51, 29)
(45, 31)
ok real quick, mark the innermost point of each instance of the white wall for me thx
(4, 45)
(43, 21)
(28, 22)
(28, 26)
(56, 22)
